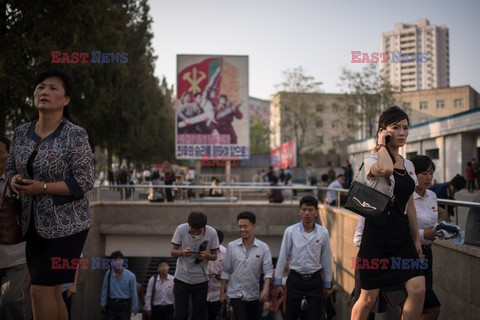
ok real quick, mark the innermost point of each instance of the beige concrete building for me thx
(422, 38)
(427, 105)
(324, 121)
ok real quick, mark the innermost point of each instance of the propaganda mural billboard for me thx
(212, 116)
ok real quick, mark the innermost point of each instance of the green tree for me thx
(259, 134)
(294, 108)
(122, 105)
(370, 92)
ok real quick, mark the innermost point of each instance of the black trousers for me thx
(197, 292)
(213, 309)
(162, 312)
(312, 289)
(119, 309)
(246, 310)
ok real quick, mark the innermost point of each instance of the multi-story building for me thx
(259, 110)
(420, 39)
(324, 122)
(427, 105)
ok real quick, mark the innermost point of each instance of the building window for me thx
(432, 153)
(440, 104)
(410, 155)
(334, 124)
(320, 139)
(458, 103)
(320, 107)
(320, 123)
(423, 105)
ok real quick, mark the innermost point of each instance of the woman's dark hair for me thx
(67, 85)
(250, 216)
(422, 164)
(197, 220)
(390, 116)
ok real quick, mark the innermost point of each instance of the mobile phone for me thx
(20, 183)
(387, 139)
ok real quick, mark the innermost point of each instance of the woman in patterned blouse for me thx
(52, 164)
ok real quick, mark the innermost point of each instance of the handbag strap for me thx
(387, 179)
(7, 186)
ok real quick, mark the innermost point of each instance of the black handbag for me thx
(10, 217)
(368, 202)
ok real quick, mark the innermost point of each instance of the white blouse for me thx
(427, 213)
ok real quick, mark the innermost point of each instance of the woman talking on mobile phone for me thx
(399, 238)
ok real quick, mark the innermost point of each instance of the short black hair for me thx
(422, 163)
(220, 235)
(309, 200)
(116, 255)
(6, 141)
(197, 220)
(52, 72)
(340, 175)
(162, 261)
(247, 215)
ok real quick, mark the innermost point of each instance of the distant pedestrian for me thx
(119, 290)
(470, 177)
(159, 299)
(348, 172)
(332, 175)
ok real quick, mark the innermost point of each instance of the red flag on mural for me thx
(196, 77)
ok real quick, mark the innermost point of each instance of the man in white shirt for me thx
(194, 243)
(308, 246)
(159, 298)
(13, 264)
(247, 258)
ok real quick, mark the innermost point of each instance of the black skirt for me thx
(390, 243)
(43, 257)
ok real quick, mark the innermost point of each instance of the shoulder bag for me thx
(368, 202)
(10, 217)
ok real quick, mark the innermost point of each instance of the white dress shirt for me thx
(308, 252)
(427, 213)
(214, 273)
(163, 292)
(242, 269)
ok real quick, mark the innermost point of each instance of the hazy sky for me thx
(317, 35)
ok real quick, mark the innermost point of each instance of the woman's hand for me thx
(14, 183)
(429, 233)
(382, 135)
(26, 186)
(418, 246)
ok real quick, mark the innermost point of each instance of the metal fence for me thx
(234, 192)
